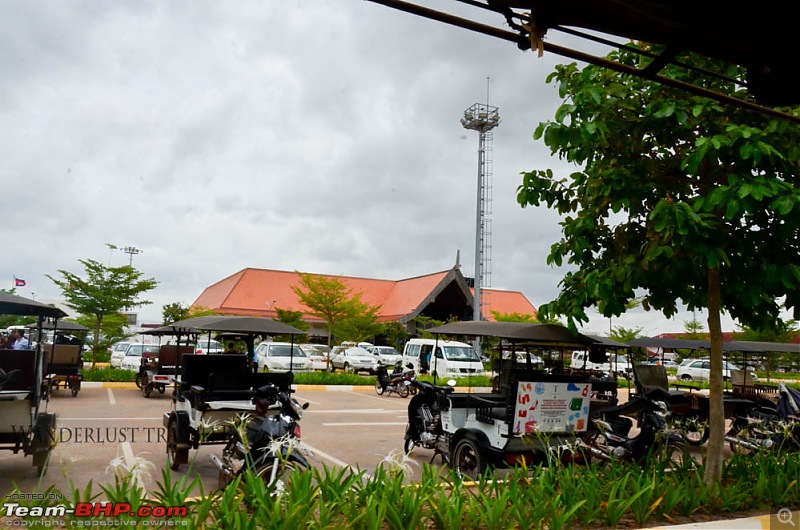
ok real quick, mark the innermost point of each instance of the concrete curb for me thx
(758, 522)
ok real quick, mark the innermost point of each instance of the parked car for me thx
(317, 354)
(700, 370)
(386, 355)
(117, 353)
(132, 359)
(353, 359)
(208, 346)
(277, 356)
(620, 364)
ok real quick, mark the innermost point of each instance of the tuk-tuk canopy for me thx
(546, 334)
(11, 304)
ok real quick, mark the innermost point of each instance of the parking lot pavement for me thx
(105, 425)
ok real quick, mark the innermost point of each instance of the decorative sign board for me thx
(551, 407)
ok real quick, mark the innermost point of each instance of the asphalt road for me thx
(106, 428)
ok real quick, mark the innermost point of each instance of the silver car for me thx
(354, 359)
(281, 357)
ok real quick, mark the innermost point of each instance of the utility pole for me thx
(131, 251)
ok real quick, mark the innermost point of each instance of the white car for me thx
(386, 355)
(353, 359)
(117, 353)
(700, 370)
(208, 346)
(133, 355)
(317, 354)
(277, 357)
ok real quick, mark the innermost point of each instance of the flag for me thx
(19, 282)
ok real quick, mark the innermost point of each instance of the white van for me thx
(620, 364)
(452, 359)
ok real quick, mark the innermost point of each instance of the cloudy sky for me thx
(313, 135)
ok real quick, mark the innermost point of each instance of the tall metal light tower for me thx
(482, 118)
(131, 251)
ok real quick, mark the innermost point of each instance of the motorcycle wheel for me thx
(403, 391)
(468, 459)
(408, 446)
(282, 478)
(595, 447)
(695, 432)
(675, 457)
(742, 431)
(378, 388)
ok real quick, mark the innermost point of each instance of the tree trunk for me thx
(96, 339)
(716, 441)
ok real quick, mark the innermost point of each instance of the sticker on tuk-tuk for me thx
(551, 407)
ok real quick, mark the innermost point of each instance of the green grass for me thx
(569, 496)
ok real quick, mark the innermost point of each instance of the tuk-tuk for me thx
(63, 354)
(24, 425)
(212, 389)
(531, 410)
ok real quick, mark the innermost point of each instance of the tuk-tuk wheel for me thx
(75, 390)
(162, 389)
(468, 459)
(174, 455)
(138, 380)
(147, 390)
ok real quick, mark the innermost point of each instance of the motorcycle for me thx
(397, 381)
(608, 436)
(767, 427)
(424, 427)
(269, 445)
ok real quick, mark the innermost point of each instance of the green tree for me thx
(112, 329)
(621, 334)
(361, 324)
(677, 195)
(173, 312)
(327, 299)
(291, 318)
(423, 323)
(513, 317)
(394, 333)
(104, 291)
(694, 330)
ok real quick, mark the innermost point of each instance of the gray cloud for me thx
(322, 136)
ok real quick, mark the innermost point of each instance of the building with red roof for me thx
(441, 295)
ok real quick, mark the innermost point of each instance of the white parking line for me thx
(332, 459)
(363, 424)
(354, 411)
(107, 419)
(111, 397)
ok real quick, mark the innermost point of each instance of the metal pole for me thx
(476, 300)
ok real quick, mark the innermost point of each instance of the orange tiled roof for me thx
(260, 292)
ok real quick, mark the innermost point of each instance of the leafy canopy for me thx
(671, 185)
(104, 291)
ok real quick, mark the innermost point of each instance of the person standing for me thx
(20, 341)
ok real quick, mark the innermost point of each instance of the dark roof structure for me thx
(758, 36)
(731, 346)
(545, 334)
